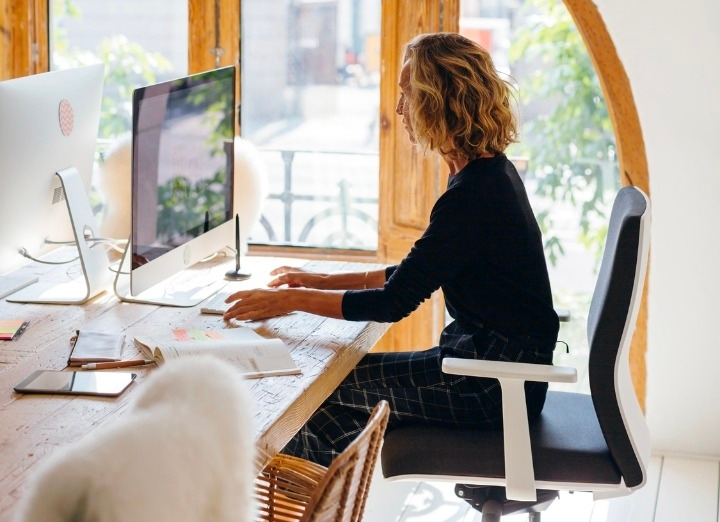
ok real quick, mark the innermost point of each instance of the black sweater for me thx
(483, 247)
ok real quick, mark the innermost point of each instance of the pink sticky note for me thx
(181, 335)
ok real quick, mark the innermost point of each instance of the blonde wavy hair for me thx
(459, 105)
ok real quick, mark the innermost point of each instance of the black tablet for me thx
(103, 384)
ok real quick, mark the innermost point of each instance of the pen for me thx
(237, 243)
(115, 364)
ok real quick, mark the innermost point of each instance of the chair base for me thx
(477, 496)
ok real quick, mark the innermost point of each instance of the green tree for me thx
(570, 140)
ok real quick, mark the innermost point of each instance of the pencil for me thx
(115, 364)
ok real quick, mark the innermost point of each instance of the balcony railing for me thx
(320, 199)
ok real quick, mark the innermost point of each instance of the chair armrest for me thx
(563, 314)
(509, 370)
(519, 469)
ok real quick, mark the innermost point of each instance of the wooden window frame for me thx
(24, 29)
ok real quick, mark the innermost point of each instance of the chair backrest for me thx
(342, 493)
(611, 323)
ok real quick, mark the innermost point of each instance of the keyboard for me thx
(215, 304)
(10, 284)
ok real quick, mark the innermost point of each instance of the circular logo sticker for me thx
(66, 117)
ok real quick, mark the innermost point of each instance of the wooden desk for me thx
(32, 426)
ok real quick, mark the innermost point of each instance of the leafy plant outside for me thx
(570, 144)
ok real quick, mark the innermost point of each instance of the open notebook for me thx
(253, 354)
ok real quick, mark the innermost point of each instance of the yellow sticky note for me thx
(8, 328)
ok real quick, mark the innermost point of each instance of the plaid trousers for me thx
(419, 392)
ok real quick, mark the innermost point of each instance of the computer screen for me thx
(49, 124)
(182, 174)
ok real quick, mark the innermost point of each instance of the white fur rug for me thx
(184, 451)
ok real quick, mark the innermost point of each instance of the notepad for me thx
(89, 347)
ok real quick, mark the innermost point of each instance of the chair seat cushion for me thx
(567, 446)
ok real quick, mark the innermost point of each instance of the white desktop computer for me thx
(48, 134)
(182, 187)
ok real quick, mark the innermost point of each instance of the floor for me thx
(678, 489)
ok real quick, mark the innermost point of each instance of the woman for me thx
(482, 247)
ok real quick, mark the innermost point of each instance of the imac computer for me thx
(182, 187)
(48, 133)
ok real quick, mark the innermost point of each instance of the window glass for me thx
(141, 42)
(310, 105)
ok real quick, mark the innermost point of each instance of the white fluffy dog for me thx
(184, 451)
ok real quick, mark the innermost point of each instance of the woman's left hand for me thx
(297, 277)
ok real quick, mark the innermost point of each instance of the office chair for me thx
(295, 489)
(595, 443)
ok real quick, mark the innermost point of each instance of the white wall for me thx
(671, 53)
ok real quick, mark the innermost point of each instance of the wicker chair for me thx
(294, 489)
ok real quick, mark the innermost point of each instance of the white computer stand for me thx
(96, 274)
